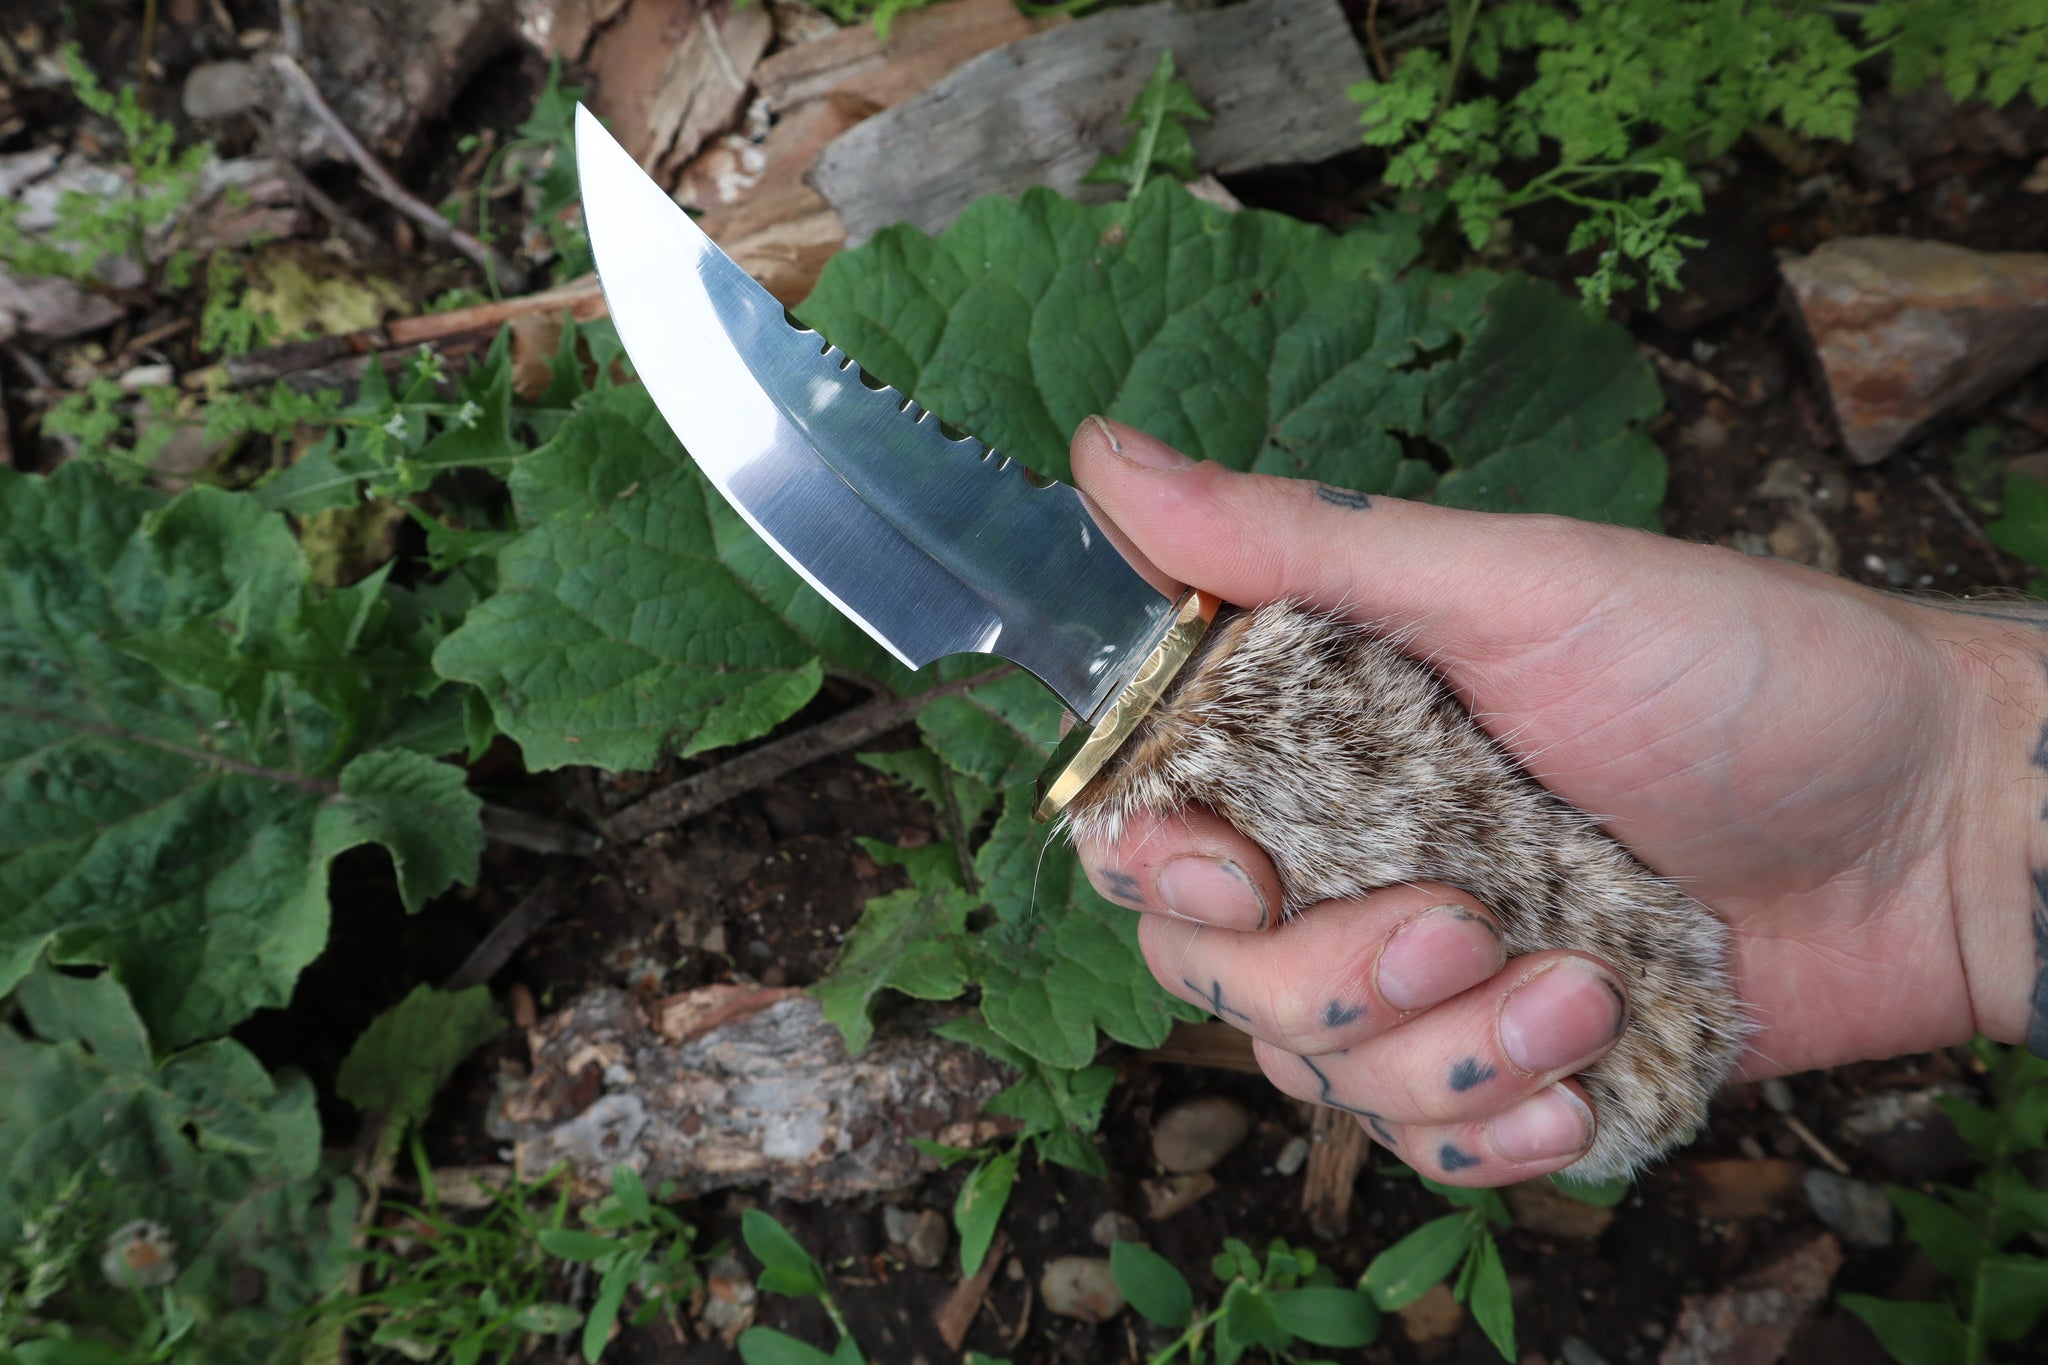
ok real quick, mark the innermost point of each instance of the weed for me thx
(1628, 95)
(786, 1268)
(1269, 1305)
(1982, 1238)
(636, 1246)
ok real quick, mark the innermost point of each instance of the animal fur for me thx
(1354, 767)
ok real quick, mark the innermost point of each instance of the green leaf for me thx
(1161, 142)
(766, 1346)
(1256, 340)
(204, 1142)
(1405, 1271)
(604, 1309)
(1326, 1315)
(1950, 1240)
(2013, 1294)
(1493, 1306)
(979, 1208)
(908, 941)
(170, 811)
(1248, 1315)
(2023, 528)
(789, 1268)
(1152, 1285)
(1601, 1194)
(617, 632)
(1914, 1333)
(570, 1245)
(408, 1052)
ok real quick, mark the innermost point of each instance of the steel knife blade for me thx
(932, 544)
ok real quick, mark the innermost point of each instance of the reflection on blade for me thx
(933, 546)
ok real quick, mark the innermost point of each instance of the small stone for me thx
(1113, 1227)
(1170, 1194)
(218, 90)
(1854, 1210)
(1292, 1157)
(1433, 1318)
(897, 1224)
(729, 1297)
(1776, 1093)
(926, 1244)
(1049, 1221)
(1575, 1351)
(1196, 1134)
(1081, 1287)
(1542, 1208)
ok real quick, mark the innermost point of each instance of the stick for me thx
(1340, 1152)
(385, 187)
(1968, 523)
(510, 934)
(503, 825)
(694, 795)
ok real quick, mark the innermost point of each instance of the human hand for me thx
(1846, 778)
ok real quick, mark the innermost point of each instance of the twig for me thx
(694, 795)
(386, 187)
(1372, 38)
(510, 934)
(1687, 373)
(1815, 1145)
(1968, 523)
(956, 1314)
(356, 232)
(1340, 1152)
(503, 825)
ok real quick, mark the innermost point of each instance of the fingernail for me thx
(1140, 449)
(1549, 1124)
(1561, 1017)
(1436, 955)
(1214, 891)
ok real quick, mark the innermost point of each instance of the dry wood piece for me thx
(1206, 1043)
(1340, 1152)
(956, 1314)
(1272, 73)
(1754, 1319)
(671, 74)
(751, 1087)
(922, 46)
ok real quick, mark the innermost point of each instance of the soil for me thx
(765, 887)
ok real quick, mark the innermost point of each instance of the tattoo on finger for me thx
(1120, 886)
(1348, 499)
(1471, 1073)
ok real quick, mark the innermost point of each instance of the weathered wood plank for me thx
(922, 46)
(1272, 73)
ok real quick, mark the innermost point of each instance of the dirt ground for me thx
(765, 887)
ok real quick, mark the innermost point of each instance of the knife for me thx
(936, 545)
(932, 545)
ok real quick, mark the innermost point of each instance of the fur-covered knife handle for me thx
(1354, 767)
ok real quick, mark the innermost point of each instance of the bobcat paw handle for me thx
(1355, 768)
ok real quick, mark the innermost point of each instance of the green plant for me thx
(1161, 112)
(90, 228)
(1983, 1238)
(786, 1268)
(1627, 95)
(1462, 1242)
(636, 1245)
(459, 1289)
(542, 155)
(2022, 525)
(1270, 1306)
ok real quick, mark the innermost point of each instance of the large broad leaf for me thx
(223, 1156)
(1256, 340)
(409, 1051)
(907, 941)
(183, 726)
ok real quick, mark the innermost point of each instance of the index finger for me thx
(1189, 865)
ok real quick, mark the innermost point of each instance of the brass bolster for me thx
(1090, 744)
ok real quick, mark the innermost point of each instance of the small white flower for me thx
(468, 414)
(395, 428)
(140, 1255)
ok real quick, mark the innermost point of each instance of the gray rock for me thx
(1196, 1134)
(1906, 331)
(50, 308)
(1170, 1194)
(926, 1244)
(218, 90)
(1853, 1210)
(1080, 1287)
(1293, 1156)
(1575, 1351)
(1777, 1094)
(897, 1224)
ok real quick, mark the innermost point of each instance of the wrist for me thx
(1997, 808)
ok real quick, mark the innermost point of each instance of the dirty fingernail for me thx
(1549, 1124)
(1214, 891)
(1436, 955)
(1562, 1017)
(1139, 449)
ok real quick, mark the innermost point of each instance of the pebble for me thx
(1854, 1210)
(1080, 1287)
(1196, 1134)
(1575, 1351)
(1113, 1227)
(729, 1296)
(1432, 1318)
(926, 1244)
(1776, 1093)
(1170, 1194)
(218, 90)
(1292, 1157)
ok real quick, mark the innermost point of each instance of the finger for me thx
(1478, 584)
(1548, 1015)
(1543, 1134)
(1336, 975)
(1190, 865)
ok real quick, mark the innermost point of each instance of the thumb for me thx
(1468, 586)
